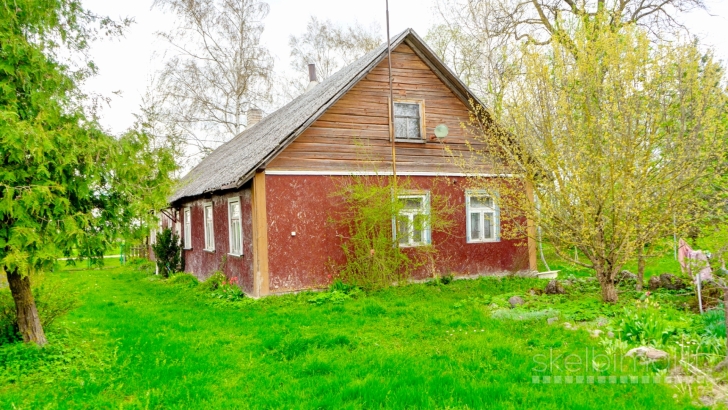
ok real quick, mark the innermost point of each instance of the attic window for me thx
(407, 121)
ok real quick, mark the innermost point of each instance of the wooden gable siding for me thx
(353, 134)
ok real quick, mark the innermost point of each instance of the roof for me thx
(235, 162)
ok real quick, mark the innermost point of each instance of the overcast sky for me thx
(127, 64)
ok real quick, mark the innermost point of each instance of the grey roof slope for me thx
(236, 161)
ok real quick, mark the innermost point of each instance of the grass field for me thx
(137, 342)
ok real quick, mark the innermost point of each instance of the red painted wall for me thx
(202, 263)
(303, 204)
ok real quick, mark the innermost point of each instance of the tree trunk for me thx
(609, 292)
(640, 269)
(27, 314)
(725, 309)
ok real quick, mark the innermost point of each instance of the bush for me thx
(714, 322)
(51, 299)
(648, 324)
(213, 282)
(184, 279)
(374, 259)
(220, 287)
(168, 252)
(229, 290)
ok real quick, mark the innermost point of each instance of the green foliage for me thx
(618, 116)
(714, 322)
(229, 290)
(168, 252)
(220, 287)
(338, 293)
(64, 184)
(213, 282)
(441, 280)
(649, 324)
(52, 298)
(374, 258)
(66, 187)
(184, 279)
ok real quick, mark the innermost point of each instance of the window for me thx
(483, 219)
(236, 227)
(407, 121)
(412, 223)
(187, 228)
(209, 228)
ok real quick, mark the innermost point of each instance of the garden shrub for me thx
(213, 282)
(714, 322)
(649, 324)
(373, 257)
(168, 252)
(220, 287)
(229, 290)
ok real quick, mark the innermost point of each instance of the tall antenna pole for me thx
(391, 104)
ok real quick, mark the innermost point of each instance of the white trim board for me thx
(386, 173)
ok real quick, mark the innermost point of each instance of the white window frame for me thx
(482, 211)
(187, 227)
(410, 215)
(421, 105)
(209, 230)
(231, 228)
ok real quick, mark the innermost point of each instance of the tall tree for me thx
(480, 39)
(620, 141)
(330, 46)
(218, 69)
(64, 186)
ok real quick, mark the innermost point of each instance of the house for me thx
(257, 207)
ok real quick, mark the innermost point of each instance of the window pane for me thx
(406, 110)
(413, 128)
(235, 209)
(412, 203)
(400, 128)
(475, 225)
(403, 230)
(418, 229)
(488, 225)
(236, 230)
(481, 202)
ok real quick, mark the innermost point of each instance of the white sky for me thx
(127, 64)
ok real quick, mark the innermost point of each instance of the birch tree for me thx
(217, 70)
(480, 39)
(330, 47)
(618, 140)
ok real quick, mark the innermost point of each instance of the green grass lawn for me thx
(141, 343)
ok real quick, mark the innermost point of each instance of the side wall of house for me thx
(304, 246)
(203, 263)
